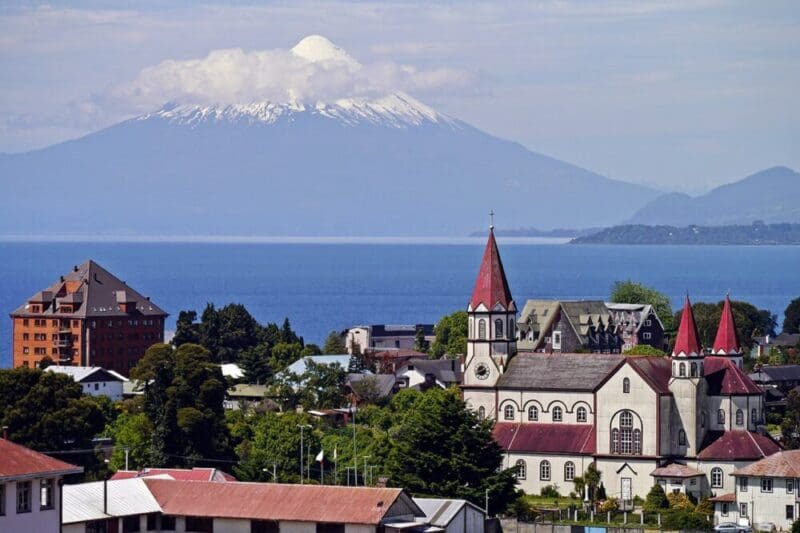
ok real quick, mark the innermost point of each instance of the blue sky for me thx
(677, 94)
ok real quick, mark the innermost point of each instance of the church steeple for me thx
(727, 340)
(491, 286)
(687, 342)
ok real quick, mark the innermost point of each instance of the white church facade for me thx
(685, 421)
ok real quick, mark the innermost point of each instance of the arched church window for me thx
(716, 478)
(569, 471)
(533, 413)
(753, 416)
(626, 386)
(581, 414)
(481, 413)
(626, 433)
(508, 412)
(739, 417)
(498, 329)
(637, 442)
(693, 370)
(615, 440)
(721, 417)
(682, 438)
(522, 469)
(544, 470)
(682, 370)
(558, 414)
(481, 329)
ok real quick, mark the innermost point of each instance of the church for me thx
(685, 421)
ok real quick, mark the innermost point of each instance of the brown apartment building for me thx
(88, 317)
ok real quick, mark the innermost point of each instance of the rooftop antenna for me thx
(491, 219)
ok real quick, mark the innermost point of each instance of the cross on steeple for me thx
(491, 219)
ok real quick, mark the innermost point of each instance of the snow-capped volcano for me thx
(318, 49)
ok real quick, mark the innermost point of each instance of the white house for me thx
(30, 489)
(95, 380)
(765, 494)
(452, 516)
(685, 421)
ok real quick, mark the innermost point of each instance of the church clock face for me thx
(482, 371)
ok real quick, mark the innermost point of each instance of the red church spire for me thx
(687, 342)
(726, 341)
(491, 286)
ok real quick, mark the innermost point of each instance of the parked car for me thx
(731, 527)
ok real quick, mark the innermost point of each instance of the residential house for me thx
(763, 345)
(246, 396)
(94, 380)
(426, 373)
(386, 336)
(452, 516)
(781, 377)
(387, 361)
(300, 366)
(765, 494)
(162, 504)
(384, 386)
(30, 489)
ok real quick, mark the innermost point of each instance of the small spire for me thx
(687, 342)
(491, 286)
(727, 341)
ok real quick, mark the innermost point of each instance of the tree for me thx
(796, 526)
(790, 426)
(679, 501)
(644, 349)
(420, 344)
(183, 399)
(656, 500)
(325, 384)
(631, 292)
(134, 432)
(255, 362)
(44, 362)
(451, 335)
(284, 354)
(367, 389)
(591, 478)
(334, 345)
(791, 317)
(186, 330)
(749, 320)
(359, 362)
(442, 449)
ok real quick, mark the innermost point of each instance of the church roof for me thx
(491, 287)
(676, 470)
(542, 371)
(781, 464)
(736, 446)
(656, 371)
(546, 438)
(727, 340)
(724, 378)
(687, 342)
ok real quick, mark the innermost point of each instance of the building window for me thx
(766, 484)
(681, 438)
(264, 526)
(23, 497)
(682, 370)
(646, 336)
(130, 524)
(498, 329)
(197, 524)
(637, 442)
(533, 413)
(152, 522)
(522, 469)
(615, 440)
(626, 386)
(739, 417)
(724, 509)
(481, 413)
(167, 523)
(721, 417)
(703, 419)
(581, 414)
(693, 370)
(716, 478)
(753, 416)
(481, 329)
(789, 486)
(790, 512)
(743, 510)
(569, 471)
(544, 471)
(508, 412)
(556, 340)
(46, 494)
(330, 528)
(558, 414)
(743, 484)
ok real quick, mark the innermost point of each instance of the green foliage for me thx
(611, 505)
(135, 432)
(359, 362)
(644, 349)
(326, 384)
(750, 321)
(685, 520)
(679, 501)
(451, 335)
(796, 526)
(631, 292)
(705, 507)
(44, 362)
(791, 317)
(256, 361)
(284, 354)
(183, 401)
(549, 491)
(790, 426)
(367, 389)
(420, 344)
(442, 449)
(591, 478)
(334, 345)
(656, 500)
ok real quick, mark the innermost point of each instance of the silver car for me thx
(730, 527)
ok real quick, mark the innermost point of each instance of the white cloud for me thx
(235, 76)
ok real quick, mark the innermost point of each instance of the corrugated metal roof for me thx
(440, 512)
(299, 366)
(185, 474)
(737, 445)
(491, 286)
(541, 371)
(546, 438)
(782, 464)
(19, 461)
(272, 501)
(82, 373)
(656, 371)
(725, 378)
(84, 502)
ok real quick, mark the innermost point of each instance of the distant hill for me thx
(772, 196)
(756, 233)
(533, 232)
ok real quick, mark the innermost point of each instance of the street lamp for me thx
(274, 472)
(302, 427)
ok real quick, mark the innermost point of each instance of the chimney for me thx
(75, 268)
(5, 432)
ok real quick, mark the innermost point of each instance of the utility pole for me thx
(127, 452)
(302, 427)
(365, 468)
(355, 453)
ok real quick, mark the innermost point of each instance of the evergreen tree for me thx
(420, 344)
(334, 345)
(656, 500)
(791, 317)
(255, 362)
(790, 427)
(187, 330)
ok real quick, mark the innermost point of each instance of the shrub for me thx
(610, 504)
(705, 507)
(685, 520)
(656, 500)
(680, 502)
(796, 526)
(549, 491)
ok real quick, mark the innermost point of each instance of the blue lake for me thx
(322, 287)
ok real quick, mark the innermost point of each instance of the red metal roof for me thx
(272, 501)
(546, 438)
(19, 461)
(656, 371)
(725, 498)
(726, 341)
(676, 470)
(183, 474)
(687, 341)
(725, 378)
(491, 286)
(782, 464)
(737, 445)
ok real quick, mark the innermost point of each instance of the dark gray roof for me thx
(784, 339)
(777, 373)
(400, 330)
(385, 382)
(541, 371)
(98, 293)
(444, 370)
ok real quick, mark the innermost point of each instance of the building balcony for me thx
(62, 343)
